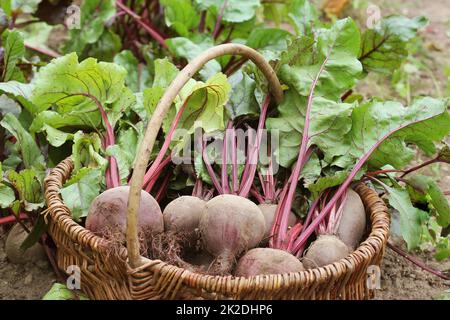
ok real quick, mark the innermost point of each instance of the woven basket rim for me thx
(60, 214)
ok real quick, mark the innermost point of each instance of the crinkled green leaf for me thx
(242, 97)
(122, 159)
(56, 120)
(60, 292)
(205, 107)
(14, 51)
(425, 121)
(186, 48)
(303, 16)
(126, 102)
(79, 192)
(8, 105)
(30, 152)
(17, 89)
(270, 42)
(234, 10)
(28, 184)
(138, 107)
(297, 53)
(56, 137)
(329, 123)
(7, 196)
(14, 159)
(326, 182)
(410, 225)
(85, 151)
(20, 92)
(125, 149)
(60, 83)
(94, 15)
(384, 47)
(311, 171)
(106, 47)
(138, 76)
(336, 51)
(275, 12)
(151, 97)
(38, 34)
(165, 72)
(180, 15)
(434, 196)
(130, 139)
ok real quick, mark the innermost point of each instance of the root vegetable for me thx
(107, 214)
(229, 225)
(267, 261)
(325, 250)
(269, 211)
(352, 224)
(15, 254)
(183, 215)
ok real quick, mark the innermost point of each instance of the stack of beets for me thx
(226, 229)
(229, 233)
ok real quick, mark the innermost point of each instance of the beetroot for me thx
(352, 223)
(229, 225)
(182, 215)
(267, 261)
(108, 211)
(269, 211)
(325, 250)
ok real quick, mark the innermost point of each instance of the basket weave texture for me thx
(106, 274)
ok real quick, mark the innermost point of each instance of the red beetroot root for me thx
(353, 222)
(325, 250)
(229, 225)
(183, 215)
(267, 261)
(108, 211)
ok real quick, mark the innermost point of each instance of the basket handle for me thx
(145, 149)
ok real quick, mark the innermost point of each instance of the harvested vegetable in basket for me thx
(257, 140)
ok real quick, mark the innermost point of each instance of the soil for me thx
(400, 279)
(29, 281)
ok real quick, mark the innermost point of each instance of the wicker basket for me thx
(111, 273)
